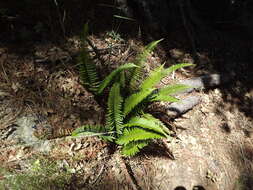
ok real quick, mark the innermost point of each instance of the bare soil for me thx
(212, 148)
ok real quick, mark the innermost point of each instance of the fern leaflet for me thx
(175, 67)
(134, 147)
(132, 101)
(142, 57)
(87, 68)
(158, 122)
(165, 98)
(91, 130)
(137, 73)
(153, 79)
(136, 134)
(173, 89)
(115, 116)
(145, 123)
(114, 73)
(88, 72)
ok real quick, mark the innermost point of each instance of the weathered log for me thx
(205, 82)
(178, 108)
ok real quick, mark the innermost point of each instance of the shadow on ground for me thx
(243, 157)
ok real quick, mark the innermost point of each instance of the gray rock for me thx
(25, 130)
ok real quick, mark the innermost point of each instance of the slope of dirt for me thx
(42, 101)
(211, 149)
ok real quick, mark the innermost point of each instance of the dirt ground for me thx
(213, 144)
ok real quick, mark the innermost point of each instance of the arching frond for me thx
(87, 68)
(111, 76)
(175, 67)
(122, 79)
(92, 130)
(115, 116)
(88, 72)
(145, 123)
(164, 98)
(136, 134)
(158, 122)
(153, 79)
(134, 147)
(133, 100)
(173, 89)
(138, 73)
(142, 57)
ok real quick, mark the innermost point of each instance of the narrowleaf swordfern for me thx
(126, 123)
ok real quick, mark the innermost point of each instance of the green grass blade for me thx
(111, 76)
(123, 17)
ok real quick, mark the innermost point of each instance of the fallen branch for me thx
(178, 108)
(206, 81)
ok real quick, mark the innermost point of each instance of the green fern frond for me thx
(136, 134)
(94, 130)
(122, 79)
(164, 98)
(158, 122)
(115, 116)
(88, 130)
(142, 57)
(175, 67)
(138, 73)
(114, 73)
(153, 79)
(88, 72)
(87, 68)
(145, 123)
(84, 35)
(173, 89)
(132, 101)
(135, 78)
(134, 147)
(151, 117)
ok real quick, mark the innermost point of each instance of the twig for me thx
(98, 176)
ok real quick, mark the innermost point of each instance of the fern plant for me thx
(87, 67)
(127, 124)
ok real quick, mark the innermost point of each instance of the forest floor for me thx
(42, 101)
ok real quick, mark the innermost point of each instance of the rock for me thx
(24, 130)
